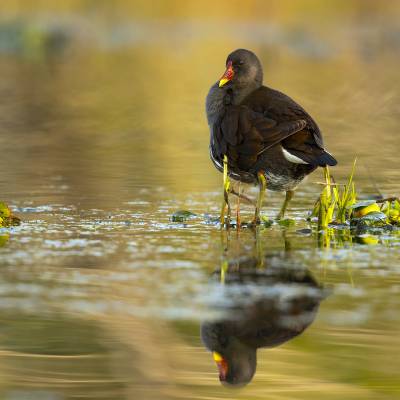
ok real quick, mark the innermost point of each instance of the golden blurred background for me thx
(125, 82)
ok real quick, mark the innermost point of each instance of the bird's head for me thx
(236, 361)
(243, 70)
(237, 368)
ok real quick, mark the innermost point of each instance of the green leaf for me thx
(266, 222)
(374, 216)
(182, 216)
(287, 222)
(362, 204)
(4, 210)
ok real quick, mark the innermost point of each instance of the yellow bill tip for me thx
(223, 81)
(217, 357)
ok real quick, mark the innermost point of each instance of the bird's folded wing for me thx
(280, 107)
(244, 134)
(280, 132)
(251, 128)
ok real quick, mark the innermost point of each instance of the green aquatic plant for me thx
(335, 201)
(362, 208)
(337, 204)
(391, 208)
(286, 223)
(7, 218)
(371, 215)
(325, 206)
(182, 216)
(345, 197)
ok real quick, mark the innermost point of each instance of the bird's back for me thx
(253, 134)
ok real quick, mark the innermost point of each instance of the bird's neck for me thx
(243, 359)
(240, 92)
(219, 98)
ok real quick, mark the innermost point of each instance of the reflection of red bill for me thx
(222, 365)
(228, 75)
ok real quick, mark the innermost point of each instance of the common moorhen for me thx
(283, 303)
(260, 135)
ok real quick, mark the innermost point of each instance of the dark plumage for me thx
(261, 130)
(284, 305)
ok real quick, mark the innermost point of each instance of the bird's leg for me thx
(262, 184)
(238, 209)
(243, 197)
(225, 243)
(288, 197)
(225, 200)
(259, 249)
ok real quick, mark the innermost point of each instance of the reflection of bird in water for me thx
(267, 307)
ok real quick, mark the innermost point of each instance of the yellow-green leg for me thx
(259, 249)
(238, 222)
(288, 197)
(225, 200)
(262, 184)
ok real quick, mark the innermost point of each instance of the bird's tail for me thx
(325, 159)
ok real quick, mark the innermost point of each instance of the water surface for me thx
(103, 137)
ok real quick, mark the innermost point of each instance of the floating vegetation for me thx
(362, 208)
(182, 216)
(7, 218)
(391, 208)
(287, 222)
(265, 221)
(338, 207)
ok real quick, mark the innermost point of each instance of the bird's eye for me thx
(241, 62)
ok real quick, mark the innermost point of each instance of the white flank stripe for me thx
(292, 158)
